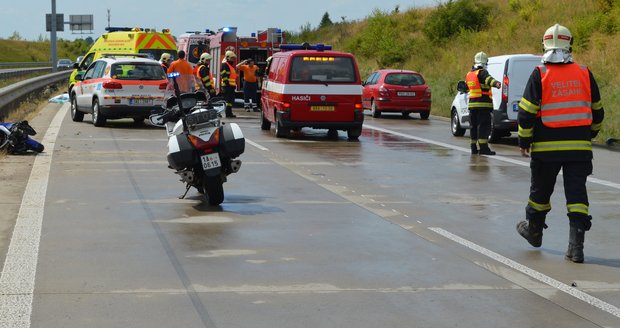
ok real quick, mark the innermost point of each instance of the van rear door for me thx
(518, 72)
(323, 88)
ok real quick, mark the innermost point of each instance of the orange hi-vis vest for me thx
(566, 96)
(475, 90)
(232, 78)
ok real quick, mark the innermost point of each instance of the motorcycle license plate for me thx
(210, 161)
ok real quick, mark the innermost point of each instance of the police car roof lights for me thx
(305, 46)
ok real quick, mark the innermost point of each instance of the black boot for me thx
(575, 244)
(474, 149)
(485, 150)
(532, 231)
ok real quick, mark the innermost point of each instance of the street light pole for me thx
(53, 36)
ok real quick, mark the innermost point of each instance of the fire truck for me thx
(259, 46)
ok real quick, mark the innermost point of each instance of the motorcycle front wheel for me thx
(214, 190)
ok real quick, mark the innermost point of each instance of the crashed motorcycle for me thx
(15, 138)
(201, 148)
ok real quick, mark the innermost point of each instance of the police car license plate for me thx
(322, 108)
(210, 161)
(406, 94)
(140, 101)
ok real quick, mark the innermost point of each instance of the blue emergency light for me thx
(173, 75)
(305, 46)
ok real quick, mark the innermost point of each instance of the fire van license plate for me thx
(322, 108)
(406, 94)
(140, 101)
(210, 161)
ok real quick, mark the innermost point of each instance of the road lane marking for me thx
(18, 274)
(256, 145)
(584, 297)
(467, 150)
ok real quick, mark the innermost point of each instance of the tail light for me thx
(286, 106)
(427, 93)
(163, 86)
(383, 92)
(505, 89)
(200, 144)
(112, 85)
(358, 106)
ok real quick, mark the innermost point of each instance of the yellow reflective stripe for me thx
(525, 133)
(528, 106)
(539, 207)
(597, 105)
(473, 141)
(577, 208)
(596, 126)
(479, 105)
(566, 145)
(483, 141)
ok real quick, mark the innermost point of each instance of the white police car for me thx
(513, 71)
(118, 86)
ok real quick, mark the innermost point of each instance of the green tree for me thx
(15, 36)
(325, 21)
(453, 16)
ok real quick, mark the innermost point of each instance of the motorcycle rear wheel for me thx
(214, 190)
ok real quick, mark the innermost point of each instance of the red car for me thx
(393, 90)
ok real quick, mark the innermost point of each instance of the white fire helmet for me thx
(229, 55)
(205, 57)
(481, 59)
(557, 37)
(165, 57)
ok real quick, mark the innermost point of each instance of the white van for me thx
(512, 71)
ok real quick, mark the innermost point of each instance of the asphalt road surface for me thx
(401, 229)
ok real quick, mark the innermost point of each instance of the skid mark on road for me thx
(18, 274)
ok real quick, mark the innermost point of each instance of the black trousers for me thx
(480, 121)
(544, 175)
(249, 93)
(229, 96)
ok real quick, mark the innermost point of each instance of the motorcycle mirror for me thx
(157, 120)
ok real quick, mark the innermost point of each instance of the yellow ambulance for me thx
(125, 40)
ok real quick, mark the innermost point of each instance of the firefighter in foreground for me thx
(203, 73)
(480, 105)
(559, 114)
(229, 81)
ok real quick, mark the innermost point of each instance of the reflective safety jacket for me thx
(479, 83)
(560, 112)
(566, 98)
(228, 74)
(204, 74)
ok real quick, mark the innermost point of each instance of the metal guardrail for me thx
(21, 89)
(25, 64)
(15, 72)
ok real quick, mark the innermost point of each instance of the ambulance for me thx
(258, 46)
(126, 40)
(311, 86)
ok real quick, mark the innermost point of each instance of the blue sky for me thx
(28, 16)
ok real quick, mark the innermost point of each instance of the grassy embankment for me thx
(440, 42)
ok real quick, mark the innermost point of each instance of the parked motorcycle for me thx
(15, 138)
(201, 149)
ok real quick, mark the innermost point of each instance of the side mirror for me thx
(462, 87)
(79, 77)
(76, 65)
(157, 120)
(364, 83)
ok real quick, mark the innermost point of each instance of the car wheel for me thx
(494, 134)
(373, 109)
(354, 133)
(265, 124)
(405, 114)
(332, 134)
(281, 132)
(455, 125)
(76, 115)
(98, 119)
(425, 115)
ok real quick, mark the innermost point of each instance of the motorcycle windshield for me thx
(183, 86)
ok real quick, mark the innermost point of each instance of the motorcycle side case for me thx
(181, 152)
(232, 142)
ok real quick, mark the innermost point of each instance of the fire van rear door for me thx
(322, 107)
